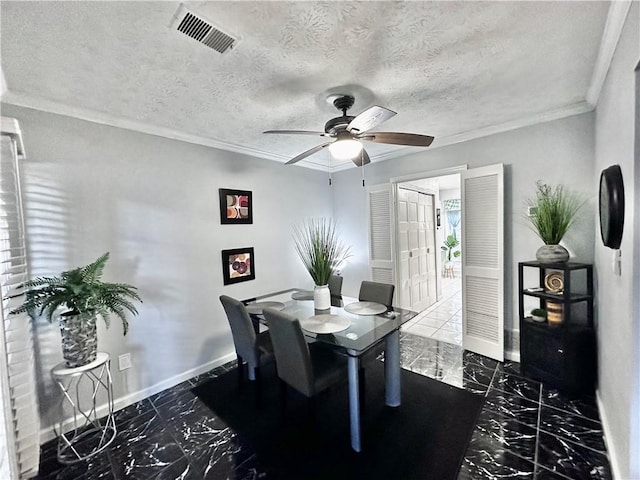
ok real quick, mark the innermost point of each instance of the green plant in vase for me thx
(539, 314)
(553, 211)
(448, 246)
(84, 296)
(321, 251)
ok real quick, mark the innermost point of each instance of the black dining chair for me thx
(335, 288)
(380, 293)
(377, 292)
(308, 371)
(251, 347)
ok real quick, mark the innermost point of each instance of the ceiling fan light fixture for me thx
(345, 149)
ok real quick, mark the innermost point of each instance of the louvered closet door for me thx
(483, 261)
(380, 237)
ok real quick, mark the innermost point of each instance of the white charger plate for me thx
(365, 308)
(302, 295)
(325, 323)
(256, 307)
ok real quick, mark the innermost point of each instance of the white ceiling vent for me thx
(196, 27)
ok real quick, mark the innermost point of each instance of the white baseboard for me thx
(613, 456)
(512, 355)
(48, 433)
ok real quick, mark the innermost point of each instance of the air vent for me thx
(203, 31)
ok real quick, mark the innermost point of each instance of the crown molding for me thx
(548, 116)
(58, 108)
(39, 103)
(543, 117)
(618, 11)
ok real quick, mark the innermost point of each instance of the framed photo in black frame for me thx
(236, 206)
(238, 265)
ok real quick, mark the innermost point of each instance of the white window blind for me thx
(21, 422)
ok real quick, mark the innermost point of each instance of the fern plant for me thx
(82, 292)
(554, 212)
(319, 248)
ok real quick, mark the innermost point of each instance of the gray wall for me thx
(153, 203)
(618, 321)
(560, 151)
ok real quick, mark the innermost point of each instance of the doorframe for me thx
(395, 181)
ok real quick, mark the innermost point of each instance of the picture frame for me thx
(236, 206)
(238, 265)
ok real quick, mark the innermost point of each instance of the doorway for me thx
(429, 253)
(482, 261)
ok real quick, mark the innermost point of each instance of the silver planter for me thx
(552, 254)
(79, 339)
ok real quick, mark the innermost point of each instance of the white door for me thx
(416, 249)
(483, 261)
(380, 238)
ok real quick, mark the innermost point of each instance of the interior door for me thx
(416, 249)
(381, 245)
(483, 261)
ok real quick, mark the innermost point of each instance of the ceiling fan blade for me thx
(362, 158)
(371, 117)
(411, 139)
(308, 153)
(296, 132)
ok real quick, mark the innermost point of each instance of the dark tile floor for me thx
(525, 430)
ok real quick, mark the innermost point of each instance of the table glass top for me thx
(364, 331)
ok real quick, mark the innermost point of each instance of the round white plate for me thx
(256, 308)
(365, 308)
(325, 323)
(302, 295)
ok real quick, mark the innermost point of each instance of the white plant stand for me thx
(83, 390)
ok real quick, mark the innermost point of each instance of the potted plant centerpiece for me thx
(321, 251)
(553, 211)
(448, 245)
(85, 297)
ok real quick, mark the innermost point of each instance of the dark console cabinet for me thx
(563, 355)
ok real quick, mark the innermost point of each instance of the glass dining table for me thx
(356, 334)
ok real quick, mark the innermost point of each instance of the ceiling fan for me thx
(347, 131)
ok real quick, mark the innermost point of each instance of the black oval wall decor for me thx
(611, 206)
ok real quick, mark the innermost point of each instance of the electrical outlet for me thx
(124, 361)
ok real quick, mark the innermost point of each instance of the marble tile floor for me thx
(442, 320)
(525, 430)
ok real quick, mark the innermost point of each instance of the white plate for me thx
(256, 307)
(302, 295)
(325, 323)
(365, 308)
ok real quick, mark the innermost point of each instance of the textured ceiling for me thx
(446, 67)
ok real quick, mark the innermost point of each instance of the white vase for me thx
(321, 297)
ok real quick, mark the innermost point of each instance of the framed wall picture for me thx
(238, 265)
(236, 206)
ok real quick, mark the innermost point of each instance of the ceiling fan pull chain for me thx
(362, 165)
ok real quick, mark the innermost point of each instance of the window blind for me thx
(21, 426)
